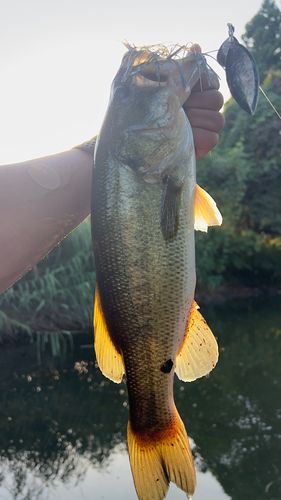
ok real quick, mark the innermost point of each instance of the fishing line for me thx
(267, 98)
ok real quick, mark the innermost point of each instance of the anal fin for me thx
(161, 458)
(109, 359)
(206, 212)
(199, 353)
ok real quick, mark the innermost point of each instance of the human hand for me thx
(202, 110)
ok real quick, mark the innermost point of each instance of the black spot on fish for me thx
(167, 366)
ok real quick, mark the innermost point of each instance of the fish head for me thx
(145, 81)
(145, 119)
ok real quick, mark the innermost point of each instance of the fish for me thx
(145, 204)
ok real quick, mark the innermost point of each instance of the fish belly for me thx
(146, 287)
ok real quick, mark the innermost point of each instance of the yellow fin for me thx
(199, 353)
(108, 358)
(161, 458)
(206, 212)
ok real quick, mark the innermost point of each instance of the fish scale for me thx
(146, 323)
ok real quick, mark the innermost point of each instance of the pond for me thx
(63, 425)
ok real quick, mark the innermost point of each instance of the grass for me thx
(55, 299)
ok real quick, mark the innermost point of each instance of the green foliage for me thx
(243, 174)
(56, 297)
(262, 37)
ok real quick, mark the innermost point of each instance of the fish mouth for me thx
(156, 65)
(150, 74)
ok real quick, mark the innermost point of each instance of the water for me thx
(63, 426)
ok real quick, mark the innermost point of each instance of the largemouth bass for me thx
(145, 203)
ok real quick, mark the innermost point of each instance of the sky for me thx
(59, 57)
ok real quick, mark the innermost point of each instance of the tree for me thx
(263, 37)
(243, 174)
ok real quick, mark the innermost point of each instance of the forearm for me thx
(41, 201)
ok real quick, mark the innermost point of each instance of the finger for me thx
(195, 48)
(204, 141)
(205, 119)
(209, 99)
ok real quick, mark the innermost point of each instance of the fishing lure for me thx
(241, 72)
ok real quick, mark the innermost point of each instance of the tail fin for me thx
(161, 458)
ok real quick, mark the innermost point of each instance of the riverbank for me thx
(20, 327)
(238, 292)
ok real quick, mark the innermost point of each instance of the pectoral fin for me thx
(170, 209)
(199, 353)
(206, 212)
(109, 359)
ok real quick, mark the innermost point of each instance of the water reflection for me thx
(113, 481)
(61, 426)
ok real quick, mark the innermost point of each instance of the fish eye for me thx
(122, 92)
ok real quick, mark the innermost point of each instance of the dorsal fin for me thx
(199, 353)
(206, 212)
(109, 359)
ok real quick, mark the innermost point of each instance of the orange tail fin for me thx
(159, 459)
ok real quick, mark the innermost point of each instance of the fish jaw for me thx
(179, 74)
